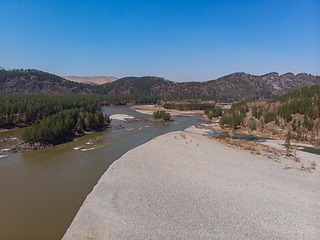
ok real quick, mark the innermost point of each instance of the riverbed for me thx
(42, 190)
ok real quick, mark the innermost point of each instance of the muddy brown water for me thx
(41, 191)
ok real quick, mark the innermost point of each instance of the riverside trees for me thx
(53, 118)
(213, 112)
(235, 116)
(61, 125)
(16, 109)
(298, 111)
(161, 114)
(188, 106)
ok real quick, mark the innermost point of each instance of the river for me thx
(42, 190)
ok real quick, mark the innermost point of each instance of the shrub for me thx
(213, 112)
(161, 114)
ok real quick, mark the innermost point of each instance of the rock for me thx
(24, 146)
(116, 126)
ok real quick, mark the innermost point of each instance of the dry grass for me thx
(255, 148)
(183, 135)
(313, 165)
(267, 151)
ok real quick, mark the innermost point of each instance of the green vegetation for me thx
(230, 88)
(188, 106)
(233, 122)
(304, 101)
(31, 81)
(213, 112)
(53, 118)
(27, 109)
(294, 125)
(297, 111)
(61, 125)
(235, 116)
(308, 123)
(122, 99)
(136, 86)
(123, 91)
(161, 114)
(269, 117)
(17, 109)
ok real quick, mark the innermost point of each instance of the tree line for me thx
(161, 114)
(233, 87)
(18, 108)
(299, 109)
(235, 115)
(188, 106)
(27, 109)
(213, 112)
(58, 126)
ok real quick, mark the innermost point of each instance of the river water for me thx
(41, 191)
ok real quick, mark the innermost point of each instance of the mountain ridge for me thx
(233, 87)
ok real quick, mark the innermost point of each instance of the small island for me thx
(158, 116)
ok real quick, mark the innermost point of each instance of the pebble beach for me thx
(182, 185)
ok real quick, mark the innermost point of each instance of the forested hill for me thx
(246, 86)
(31, 81)
(233, 87)
(242, 86)
(297, 111)
(138, 85)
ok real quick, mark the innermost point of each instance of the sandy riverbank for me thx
(150, 109)
(183, 185)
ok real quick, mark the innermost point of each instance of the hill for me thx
(138, 85)
(92, 80)
(241, 86)
(297, 112)
(31, 81)
(233, 87)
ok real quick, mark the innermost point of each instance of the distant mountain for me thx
(297, 111)
(233, 87)
(31, 81)
(92, 80)
(240, 86)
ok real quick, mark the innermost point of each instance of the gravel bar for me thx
(183, 185)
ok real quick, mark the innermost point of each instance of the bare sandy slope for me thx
(183, 185)
(92, 80)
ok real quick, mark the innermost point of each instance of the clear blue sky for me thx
(178, 40)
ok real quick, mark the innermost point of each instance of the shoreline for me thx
(32, 146)
(140, 120)
(185, 185)
(150, 109)
(214, 126)
(18, 126)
